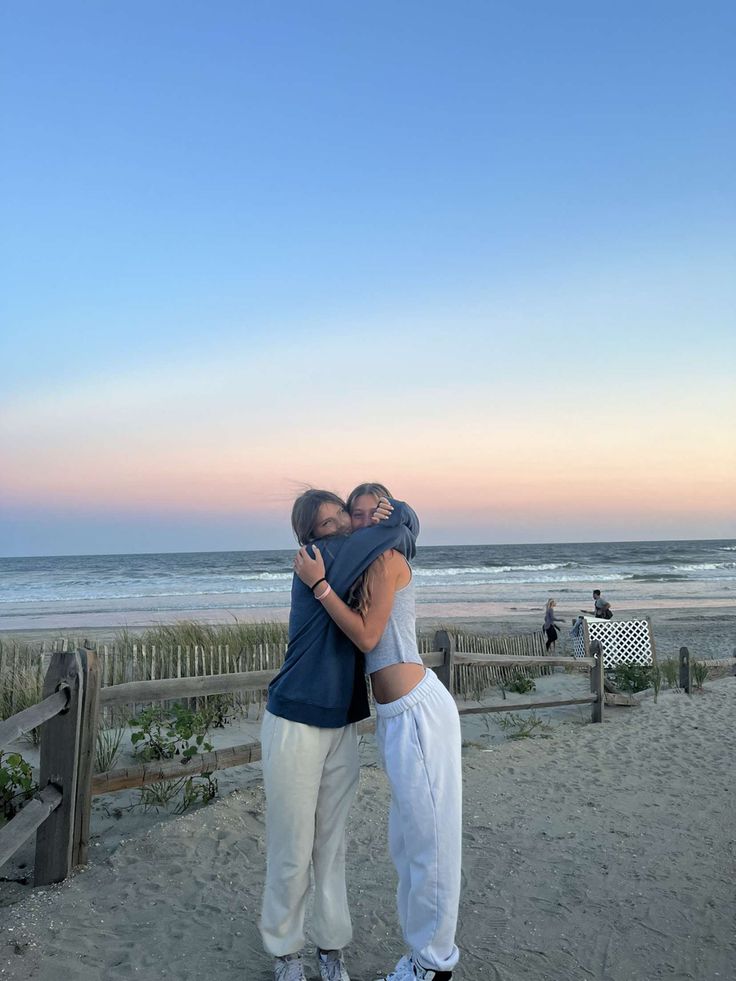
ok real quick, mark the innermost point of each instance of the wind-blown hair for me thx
(305, 510)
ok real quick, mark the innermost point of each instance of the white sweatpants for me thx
(310, 776)
(419, 740)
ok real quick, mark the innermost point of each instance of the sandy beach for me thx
(595, 852)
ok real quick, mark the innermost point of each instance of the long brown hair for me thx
(359, 597)
(305, 510)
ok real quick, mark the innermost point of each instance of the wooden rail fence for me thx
(74, 697)
(55, 816)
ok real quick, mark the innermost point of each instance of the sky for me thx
(482, 252)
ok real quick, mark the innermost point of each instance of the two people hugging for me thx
(353, 613)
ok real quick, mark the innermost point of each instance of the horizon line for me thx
(230, 551)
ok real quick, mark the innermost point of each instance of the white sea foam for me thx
(705, 566)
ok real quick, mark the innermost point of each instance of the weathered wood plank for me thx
(18, 725)
(17, 831)
(597, 681)
(509, 706)
(59, 767)
(523, 660)
(87, 750)
(445, 643)
(172, 688)
(140, 776)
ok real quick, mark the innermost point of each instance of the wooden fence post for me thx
(59, 767)
(597, 678)
(445, 672)
(87, 750)
(686, 681)
(651, 639)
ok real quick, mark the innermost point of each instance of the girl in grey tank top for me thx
(398, 645)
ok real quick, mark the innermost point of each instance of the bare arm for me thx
(364, 631)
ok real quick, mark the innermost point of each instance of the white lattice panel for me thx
(622, 641)
(578, 645)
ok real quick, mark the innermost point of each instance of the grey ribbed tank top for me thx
(398, 645)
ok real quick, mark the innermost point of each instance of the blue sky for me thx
(498, 197)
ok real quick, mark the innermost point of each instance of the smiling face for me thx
(332, 519)
(362, 511)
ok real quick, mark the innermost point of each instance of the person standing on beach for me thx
(310, 743)
(418, 735)
(549, 623)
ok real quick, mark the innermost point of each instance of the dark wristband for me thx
(323, 579)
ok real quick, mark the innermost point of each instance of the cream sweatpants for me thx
(310, 776)
(419, 740)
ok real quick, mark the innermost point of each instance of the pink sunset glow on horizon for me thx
(506, 294)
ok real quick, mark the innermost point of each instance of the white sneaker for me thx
(429, 973)
(290, 968)
(332, 966)
(408, 970)
(403, 971)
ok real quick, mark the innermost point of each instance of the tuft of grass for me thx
(520, 683)
(700, 672)
(655, 676)
(517, 726)
(190, 633)
(107, 748)
(670, 669)
(154, 796)
(20, 691)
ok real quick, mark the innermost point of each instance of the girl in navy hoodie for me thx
(309, 738)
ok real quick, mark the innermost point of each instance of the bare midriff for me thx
(395, 680)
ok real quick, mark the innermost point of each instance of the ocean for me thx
(471, 581)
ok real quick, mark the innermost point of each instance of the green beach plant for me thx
(200, 789)
(632, 677)
(16, 784)
(164, 734)
(520, 683)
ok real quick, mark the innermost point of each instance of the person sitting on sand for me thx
(309, 740)
(549, 624)
(418, 735)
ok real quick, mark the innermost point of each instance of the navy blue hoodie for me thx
(322, 681)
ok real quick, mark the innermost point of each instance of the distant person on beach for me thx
(549, 624)
(602, 608)
(310, 742)
(418, 735)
